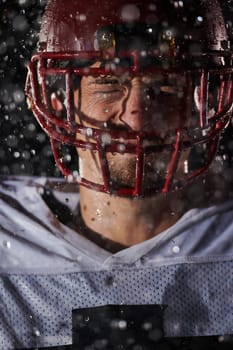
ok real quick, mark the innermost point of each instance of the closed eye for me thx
(107, 86)
(107, 81)
(169, 89)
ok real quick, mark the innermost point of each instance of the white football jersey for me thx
(47, 270)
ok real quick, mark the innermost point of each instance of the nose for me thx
(135, 113)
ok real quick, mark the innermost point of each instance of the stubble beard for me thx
(123, 171)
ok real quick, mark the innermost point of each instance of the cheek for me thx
(165, 114)
(174, 112)
(96, 106)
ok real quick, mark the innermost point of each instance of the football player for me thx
(134, 96)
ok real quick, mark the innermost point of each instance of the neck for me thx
(129, 221)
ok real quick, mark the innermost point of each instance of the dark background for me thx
(24, 148)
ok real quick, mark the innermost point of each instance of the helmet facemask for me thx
(187, 102)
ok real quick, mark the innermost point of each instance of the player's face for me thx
(146, 103)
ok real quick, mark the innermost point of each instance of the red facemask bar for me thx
(210, 102)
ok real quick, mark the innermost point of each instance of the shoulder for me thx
(201, 235)
(20, 187)
(30, 234)
(26, 188)
(210, 231)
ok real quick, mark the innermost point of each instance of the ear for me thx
(56, 103)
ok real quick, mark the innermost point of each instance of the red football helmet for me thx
(180, 46)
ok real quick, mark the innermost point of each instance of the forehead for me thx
(144, 77)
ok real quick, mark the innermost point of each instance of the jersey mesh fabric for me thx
(37, 309)
(47, 270)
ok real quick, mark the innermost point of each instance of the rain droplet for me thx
(82, 17)
(22, 2)
(76, 175)
(40, 190)
(117, 60)
(7, 244)
(152, 7)
(176, 249)
(16, 154)
(86, 318)
(18, 96)
(110, 281)
(98, 212)
(122, 324)
(144, 259)
(89, 132)
(20, 23)
(186, 167)
(121, 148)
(221, 339)
(106, 139)
(147, 326)
(130, 12)
(36, 332)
